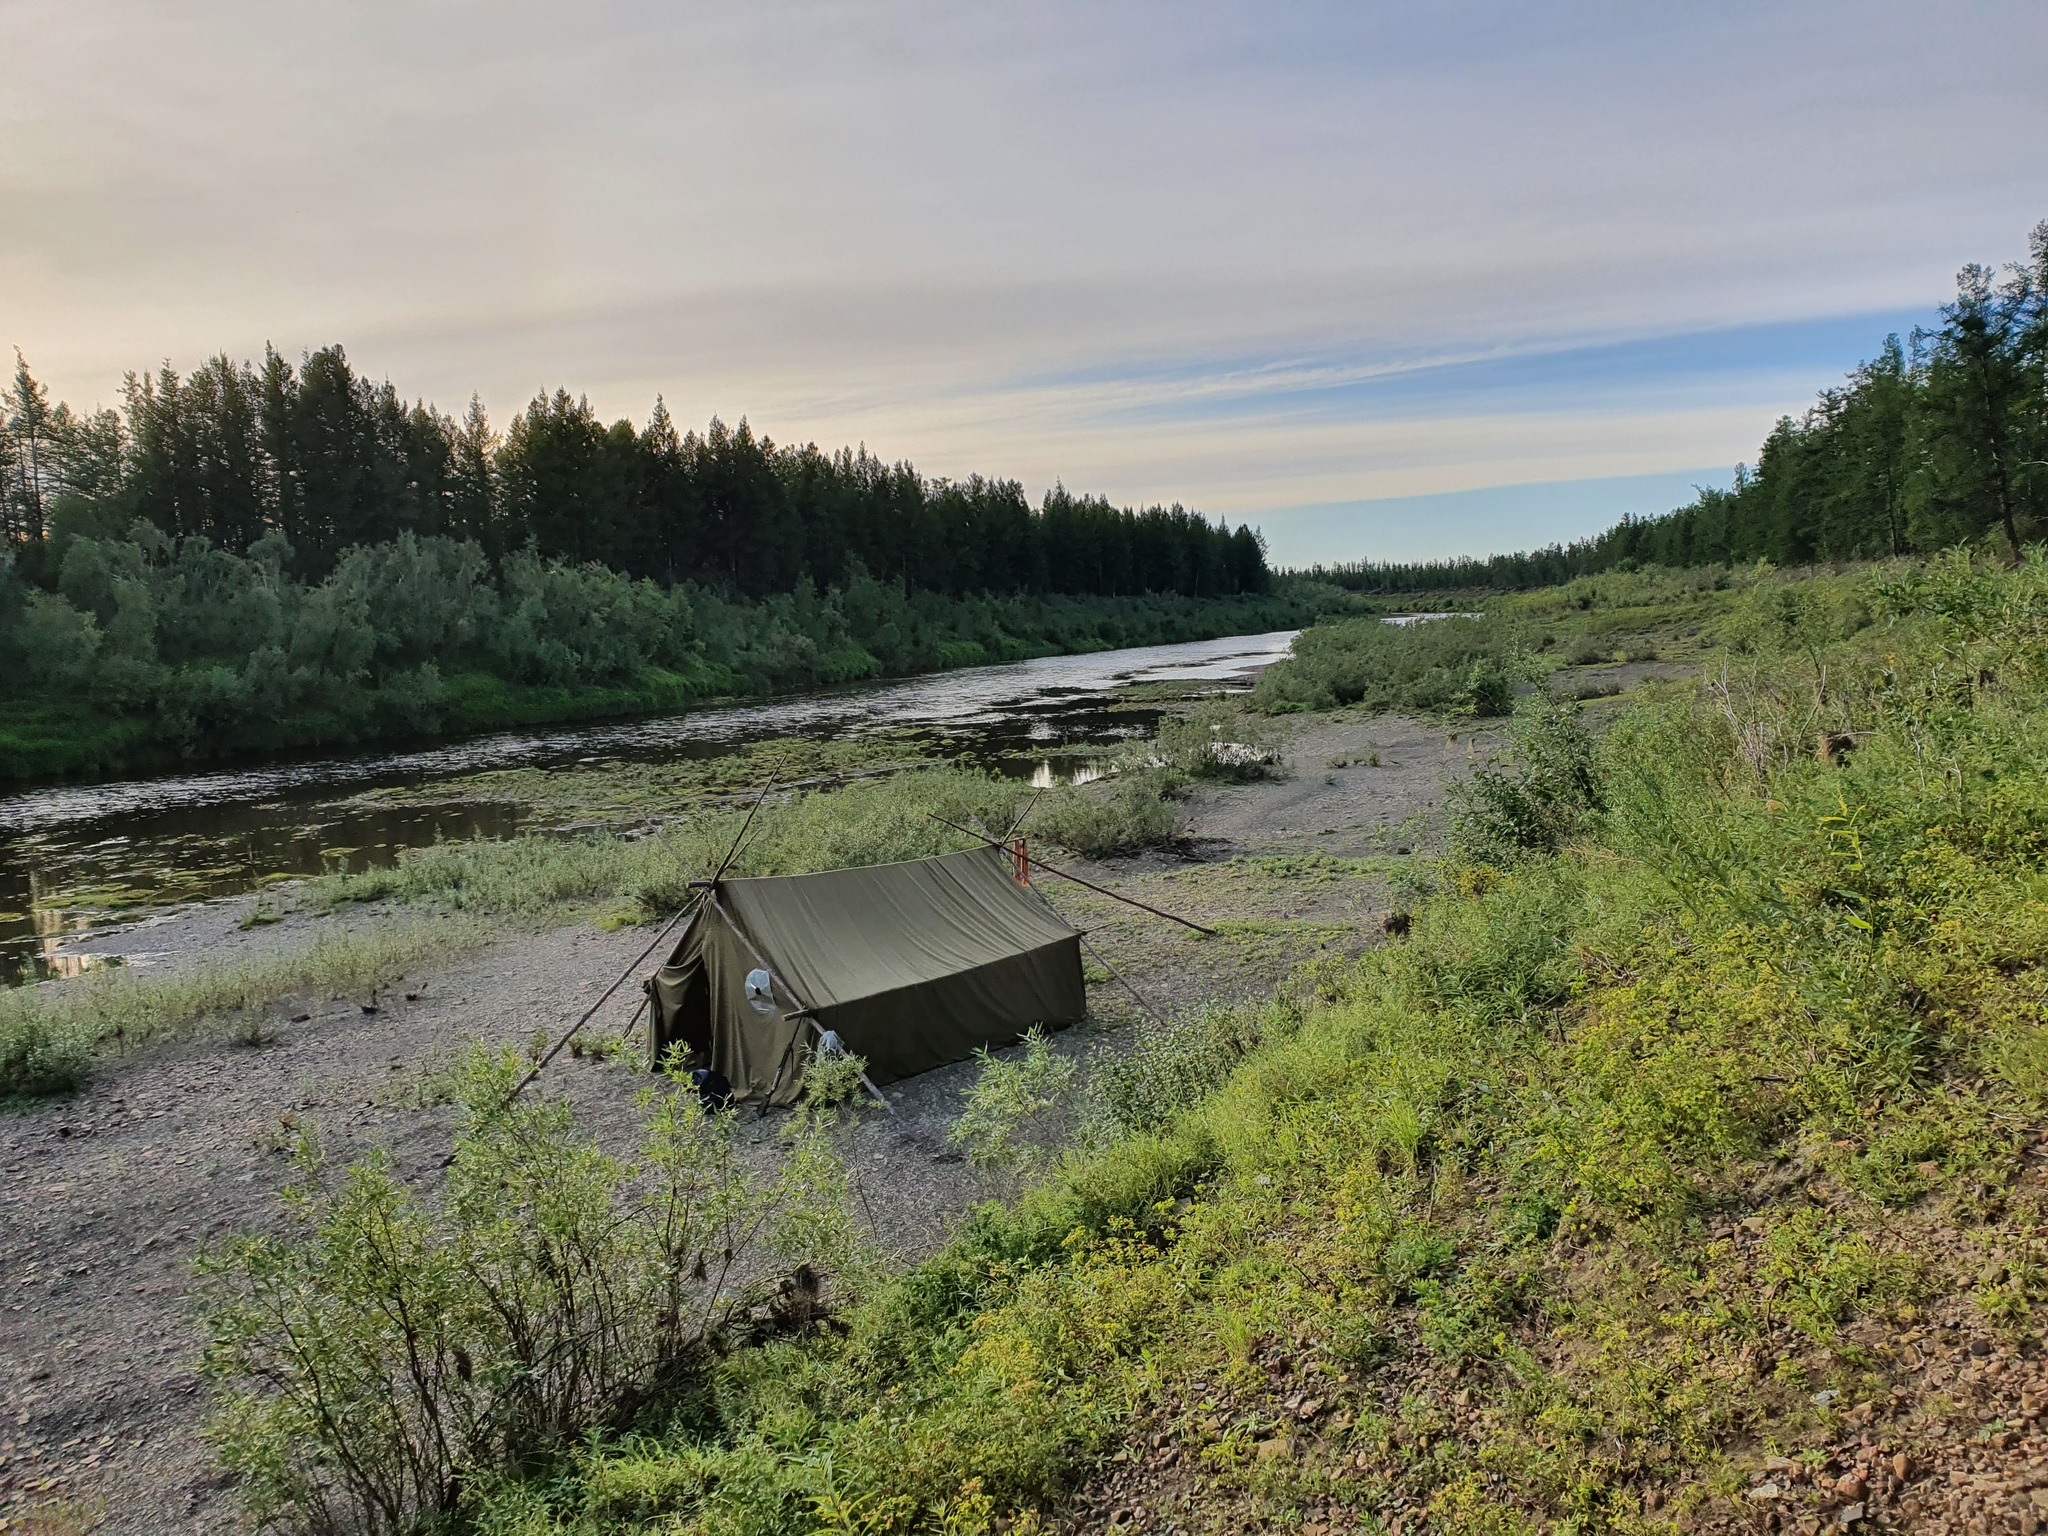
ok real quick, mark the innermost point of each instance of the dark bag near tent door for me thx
(712, 1088)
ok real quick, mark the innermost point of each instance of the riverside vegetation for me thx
(644, 833)
(1697, 1107)
(245, 559)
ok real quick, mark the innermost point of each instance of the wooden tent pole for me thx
(591, 1012)
(1157, 1018)
(1100, 890)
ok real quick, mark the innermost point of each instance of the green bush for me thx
(384, 1356)
(1014, 1112)
(1169, 1066)
(1121, 815)
(1536, 800)
(156, 650)
(1457, 665)
(1216, 739)
(41, 1055)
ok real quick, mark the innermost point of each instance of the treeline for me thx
(1941, 439)
(154, 650)
(255, 557)
(330, 460)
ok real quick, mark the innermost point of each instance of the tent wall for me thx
(700, 1003)
(915, 965)
(915, 1029)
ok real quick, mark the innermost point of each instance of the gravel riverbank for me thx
(107, 1197)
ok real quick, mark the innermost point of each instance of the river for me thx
(79, 860)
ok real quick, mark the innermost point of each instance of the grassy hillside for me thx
(1680, 1166)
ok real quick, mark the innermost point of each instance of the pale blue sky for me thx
(1256, 258)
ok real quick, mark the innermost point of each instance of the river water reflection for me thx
(80, 859)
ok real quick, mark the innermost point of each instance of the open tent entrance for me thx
(913, 965)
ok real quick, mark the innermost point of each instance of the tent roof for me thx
(846, 934)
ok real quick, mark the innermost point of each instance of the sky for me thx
(1388, 281)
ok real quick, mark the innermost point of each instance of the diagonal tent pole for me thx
(688, 907)
(1100, 890)
(1025, 814)
(591, 1012)
(1157, 1017)
(734, 851)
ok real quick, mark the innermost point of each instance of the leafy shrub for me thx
(385, 1354)
(206, 651)
(832, 1081)
(1215, 740)
(41, 1055)
(1014, 1112)
(1125, 814)
(1536, 800)
(1457, 665)
(1168, 1068)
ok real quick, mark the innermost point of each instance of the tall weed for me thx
(874, 821)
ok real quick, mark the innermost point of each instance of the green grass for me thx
(1619, 1173)
(53, 1036)
(869, 821)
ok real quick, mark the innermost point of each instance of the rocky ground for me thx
(106, 1198)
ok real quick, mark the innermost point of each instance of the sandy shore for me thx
(107, 1197)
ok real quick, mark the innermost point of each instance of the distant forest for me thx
(1941, 439)
(249, 558)
(328, 460)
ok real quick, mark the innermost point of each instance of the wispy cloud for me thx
(1247, 257)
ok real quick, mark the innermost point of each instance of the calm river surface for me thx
(81, 859)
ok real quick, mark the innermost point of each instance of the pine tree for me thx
(32, 429)
(472, 481)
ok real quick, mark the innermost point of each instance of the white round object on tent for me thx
(830, 1046)
(761, 991)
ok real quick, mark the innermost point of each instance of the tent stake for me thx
(1100, 890)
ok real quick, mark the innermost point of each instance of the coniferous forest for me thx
(248, 557)
(1939, 440)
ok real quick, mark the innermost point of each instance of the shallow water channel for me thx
(78, 860)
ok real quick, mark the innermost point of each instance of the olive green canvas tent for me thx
(912, 965)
